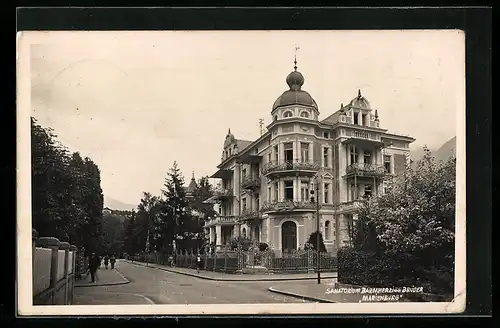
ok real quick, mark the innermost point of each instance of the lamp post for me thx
(317, 224)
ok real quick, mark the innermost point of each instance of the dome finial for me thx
(229, 131)
(193, 176)
(295, 61)
(359, 93)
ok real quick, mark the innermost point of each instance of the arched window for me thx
(287, 114)
(327, 230)
(257, 234)
(288, 237)
(244, 232)
(304, 114)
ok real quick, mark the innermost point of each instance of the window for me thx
(243, 173)
(275, 117)
(244, 232)
(257, 203)
(269, 193)
(287, 114)
(304, 114)
(326, 135)
(269, 157)
(387, 163)
(244, 204)
(367, 157)
(304, 190)
(304, 152)
(325, 157)
(368, 190)
(353, 192)
(326, 198)
(327, 230)
(276, 153)
(355, 117)
(276, 194)
(365, 120)
(220, 209)
(288, 190)
(354, 155)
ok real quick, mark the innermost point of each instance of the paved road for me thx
(153, 286)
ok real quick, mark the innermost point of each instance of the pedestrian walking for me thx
(199, 263)
(106, 261)
(112, 260)
(94, 264)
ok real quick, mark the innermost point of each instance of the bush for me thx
(263, 247)
(242, 243)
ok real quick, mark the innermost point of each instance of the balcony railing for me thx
(221, 220)
(284, 166)
(284, 206)
(363, 135)
(249, 214)
(223, 193)
(349, 206)
(250, 182)
(363, 169)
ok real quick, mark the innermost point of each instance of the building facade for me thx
(265, 185)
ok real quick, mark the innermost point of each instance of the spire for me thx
(193, 176)
(229, 131)
(359, 93)
(376, 115)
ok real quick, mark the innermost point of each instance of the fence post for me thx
(34, 236)
(53, 244)
(73, 249)
(65, 247)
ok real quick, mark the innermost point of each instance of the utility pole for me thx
(316, 199)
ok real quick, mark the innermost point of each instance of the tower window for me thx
(326, 135)
(304, 190)
(288, 190)
(355, 117)
(287, 114)
(304, 114)
(304, 152)
(368, 190)
(354, 155)
(367, 157)
(387, 163)
(275, 117)
(326, 193)
(325, 157)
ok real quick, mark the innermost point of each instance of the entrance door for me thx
(288, 236)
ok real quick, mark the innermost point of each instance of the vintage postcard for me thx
(241, 172)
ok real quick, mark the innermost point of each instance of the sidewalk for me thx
(105, 277)
(312, 291)
(219, 276)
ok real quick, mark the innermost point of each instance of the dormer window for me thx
(287, 114)
(356, 117)
(304, 114)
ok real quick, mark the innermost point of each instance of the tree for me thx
(149, 220)
(174, 211)
(131, 239)
(411, 226)
(313, 241)
(67, 199)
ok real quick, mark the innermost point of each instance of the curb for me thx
(108, 284)
(224, 279)
(303, 297)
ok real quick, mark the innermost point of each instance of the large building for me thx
(264, 189)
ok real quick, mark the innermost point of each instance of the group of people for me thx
(95, 263)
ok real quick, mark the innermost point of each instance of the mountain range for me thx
(441, 154)
(114, 204)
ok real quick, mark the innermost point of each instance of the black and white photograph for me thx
(241, 172)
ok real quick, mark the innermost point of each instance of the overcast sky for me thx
(135, 102)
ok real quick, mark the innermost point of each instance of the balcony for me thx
(350, 206)
(290, 166)
(249, 214)
(220, 195)
(363, 138)
(288, 206)
(365, 170)
(221, 220)
(250, 183)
